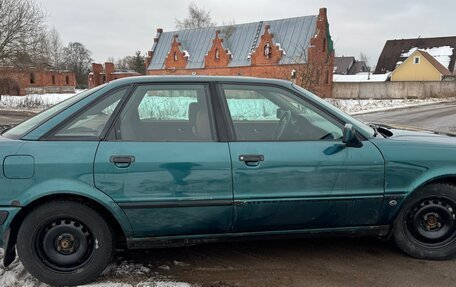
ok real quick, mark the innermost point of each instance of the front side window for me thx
(159, 113)
(91, 123)
(263, 113)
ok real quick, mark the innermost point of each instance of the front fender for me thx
(396, 195)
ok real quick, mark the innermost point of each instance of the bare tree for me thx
(78, 60)
(299, 69)
(197, 18)
(363, 57)
(20, 22)
(56, 57)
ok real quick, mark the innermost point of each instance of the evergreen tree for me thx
(138, 63)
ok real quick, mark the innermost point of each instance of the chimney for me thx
(149, 56)
(109, 69)
(97, 69)
(322, 13)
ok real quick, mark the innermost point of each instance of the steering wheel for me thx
(284, 122)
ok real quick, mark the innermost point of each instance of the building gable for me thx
(218, 55)
(419, 66)
(177, 58)
(267, 51)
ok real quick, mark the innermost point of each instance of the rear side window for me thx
(92, 122)
(166, 113)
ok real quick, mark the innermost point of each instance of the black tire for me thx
(425, 227)
(65, 243)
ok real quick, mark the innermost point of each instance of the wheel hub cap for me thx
(65, 244)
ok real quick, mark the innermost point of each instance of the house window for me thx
(327, 78)
(175, 56)
(217, 54)
(267, 50)
(32, 78)
(416, 60)
(324, 45)
(67, 80)
(53, 79)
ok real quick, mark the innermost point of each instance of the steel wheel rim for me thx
(65, 245)
(432, 221)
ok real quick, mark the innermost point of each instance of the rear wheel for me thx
(64, 243)
(426, 225)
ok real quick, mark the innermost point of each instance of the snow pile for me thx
(33, 101)
(114, 276)
(363, 106)
(361, 77)
(441, 54)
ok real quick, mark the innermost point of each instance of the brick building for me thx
(295, 48)
(101, 75)
(16, 81)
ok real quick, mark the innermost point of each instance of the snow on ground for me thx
(257, 108)
(361, 77)
(33, 101)
(115, 275)
(442, 54)
(355, 107)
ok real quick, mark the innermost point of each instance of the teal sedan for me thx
(150, 162)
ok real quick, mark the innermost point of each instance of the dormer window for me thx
(416, 60)
(175, 56)
(217, 54)
(267, 50)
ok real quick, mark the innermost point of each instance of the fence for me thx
(394, 90)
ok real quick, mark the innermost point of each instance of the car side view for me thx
(146, 162)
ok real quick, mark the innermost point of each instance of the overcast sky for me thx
(116, 28)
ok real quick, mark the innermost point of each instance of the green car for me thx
(148, 162)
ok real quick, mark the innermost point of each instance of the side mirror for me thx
(349, 137)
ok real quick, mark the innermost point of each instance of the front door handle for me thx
(122, 160)
(251, 157)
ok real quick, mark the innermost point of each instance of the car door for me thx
(290, 167)
(163, 165)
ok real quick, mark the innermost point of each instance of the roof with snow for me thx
(443, 49)
(293, 35)
(349, 66)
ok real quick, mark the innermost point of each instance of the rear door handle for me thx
(251, 157)
(122, 159)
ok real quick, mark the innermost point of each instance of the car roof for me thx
(196, 79)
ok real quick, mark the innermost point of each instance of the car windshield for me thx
(367, 129)
(28, 125)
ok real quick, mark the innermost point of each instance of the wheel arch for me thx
(391, 212)
(121, 232)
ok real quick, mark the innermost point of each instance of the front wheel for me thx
(426, 225)
(64, 243)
